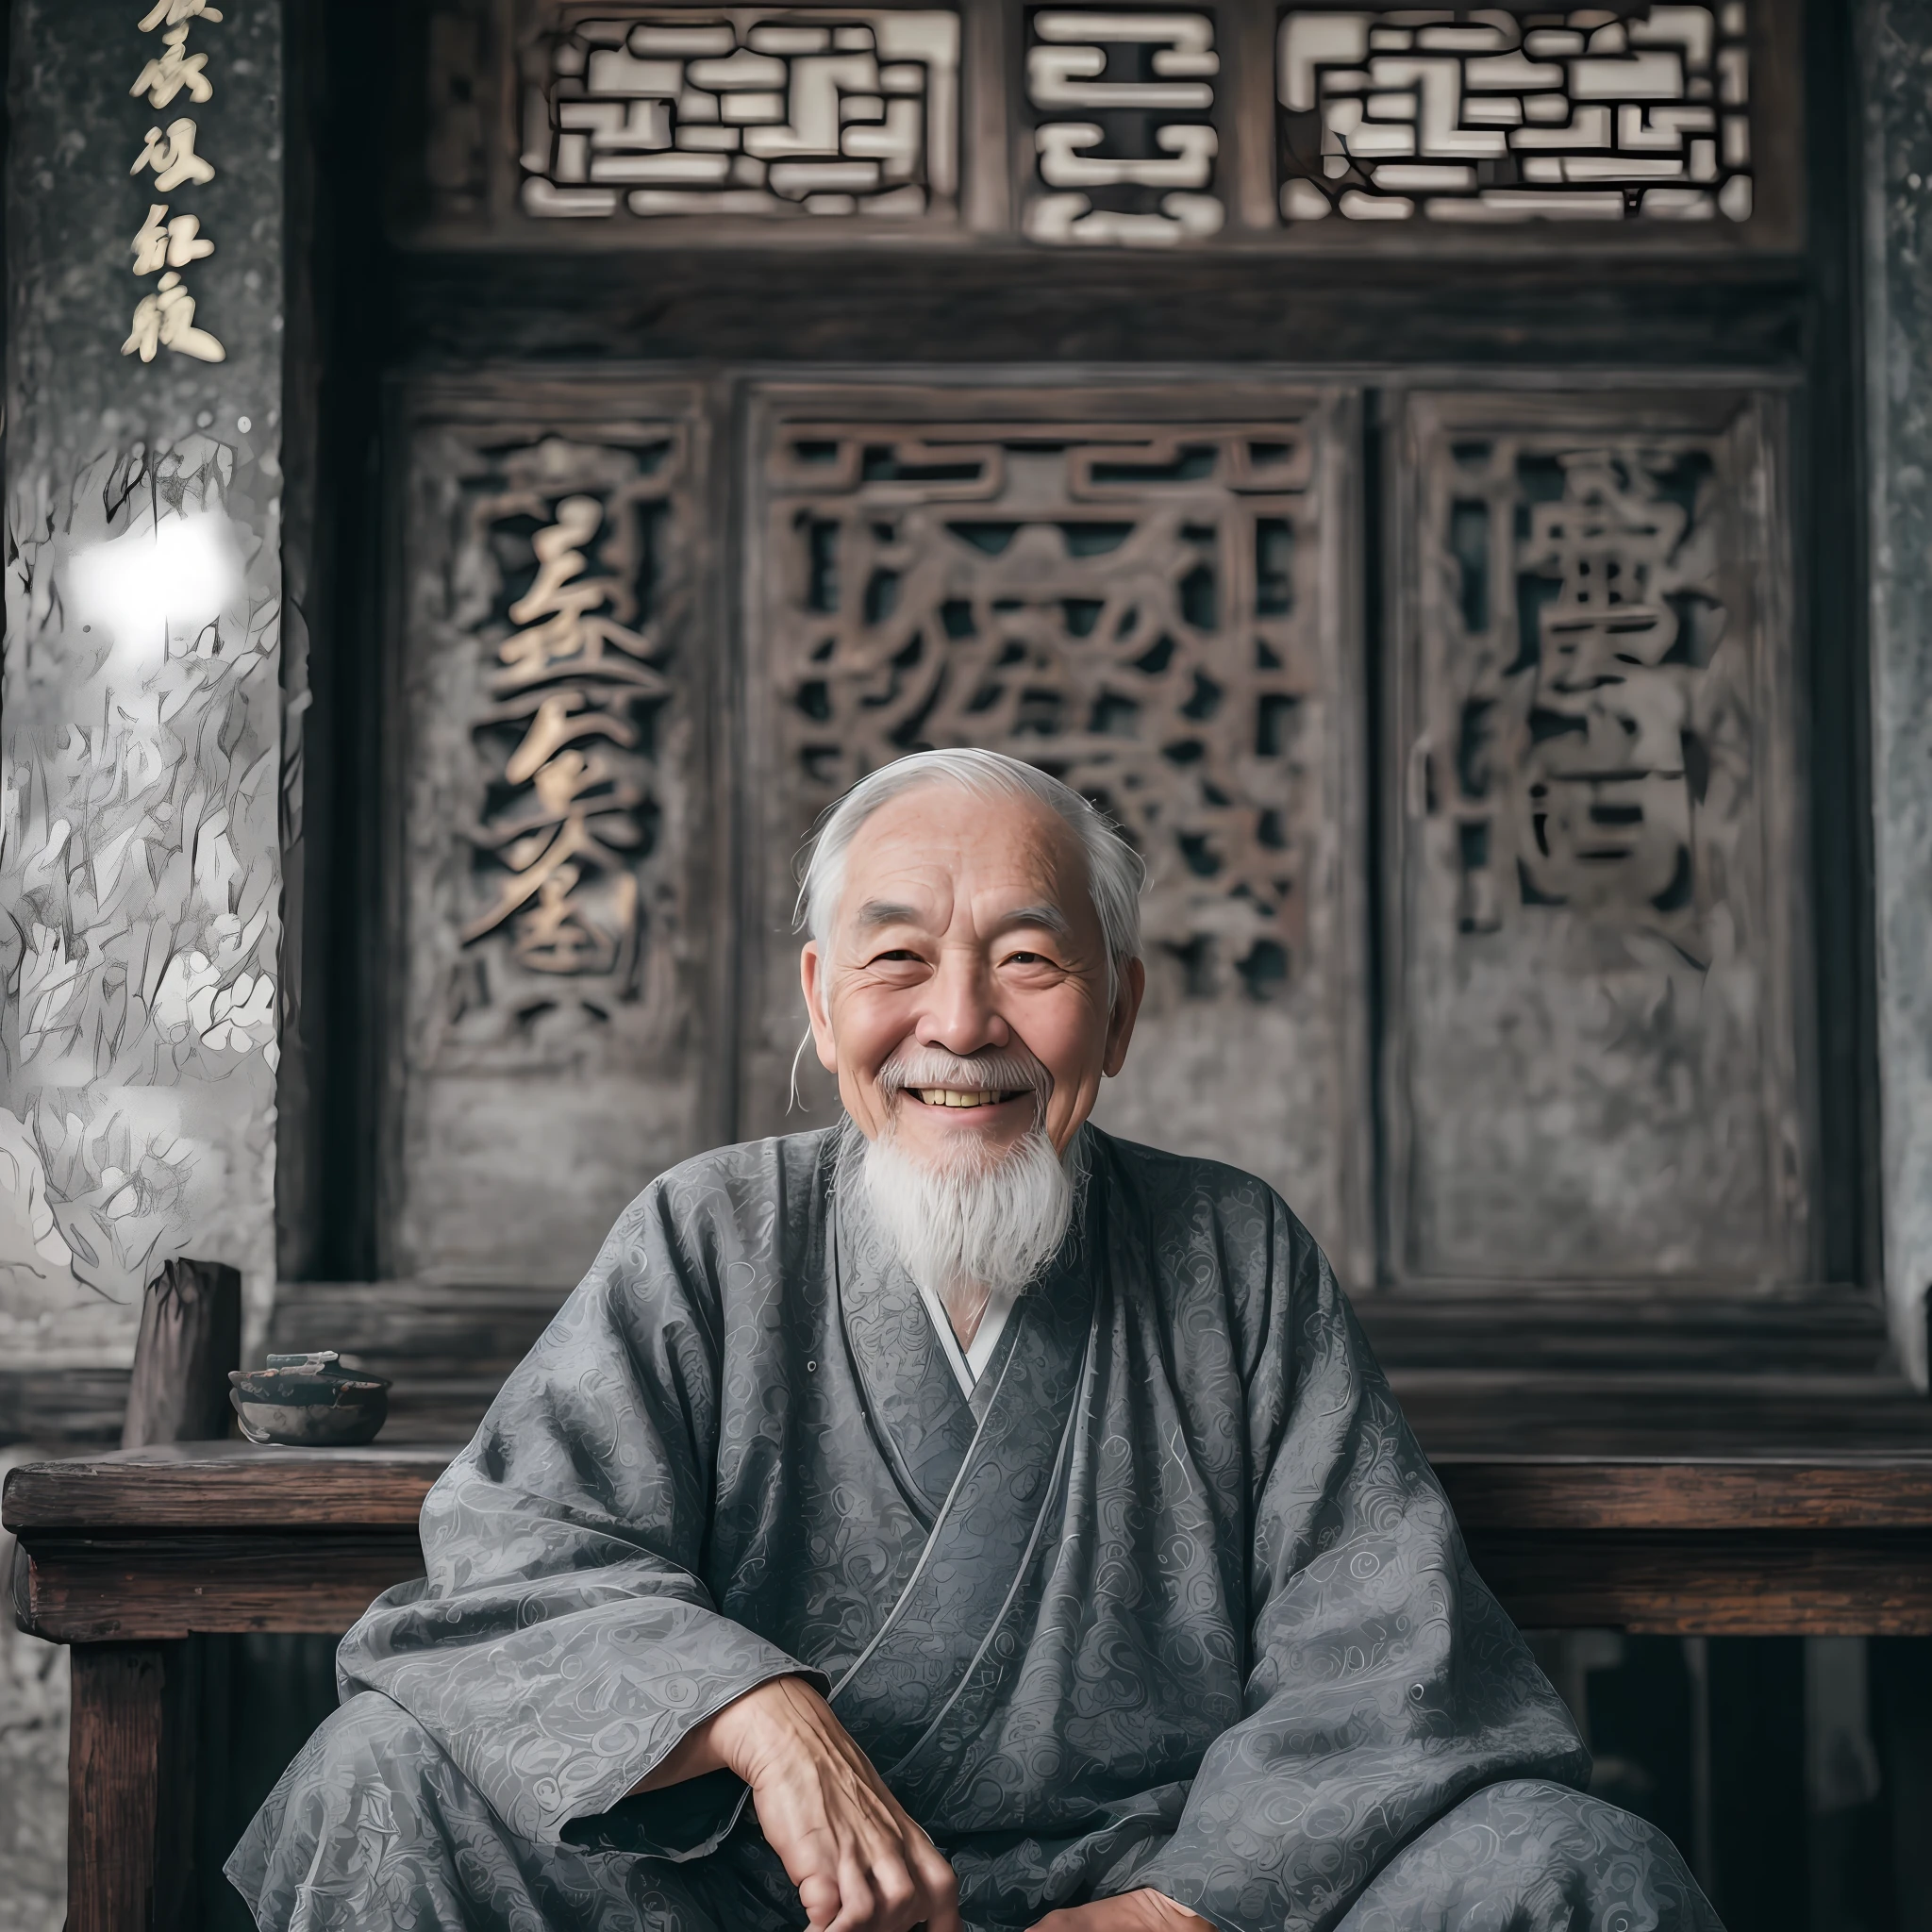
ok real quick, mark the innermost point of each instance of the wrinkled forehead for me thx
(929, 849)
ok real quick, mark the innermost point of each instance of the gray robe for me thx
(1174, 1600)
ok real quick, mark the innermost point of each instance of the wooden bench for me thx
(127, 1556)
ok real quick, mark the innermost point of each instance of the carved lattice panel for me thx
(1595, 1060)
(557, 844)
(1476, 114)
(769, 112)
(1141, 593)
(1122, 130)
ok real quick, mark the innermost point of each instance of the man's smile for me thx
(963, 1096)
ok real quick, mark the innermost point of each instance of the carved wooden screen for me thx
(1593, 1065)
(1645, 125)
(1140, 589)
(557, 1038)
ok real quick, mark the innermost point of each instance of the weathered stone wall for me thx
(141, 729)
(1898, 313)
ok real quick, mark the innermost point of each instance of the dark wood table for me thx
(127, 1556)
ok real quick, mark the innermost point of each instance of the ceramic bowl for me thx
(308, 1401)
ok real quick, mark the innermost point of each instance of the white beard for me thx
(975, 1227)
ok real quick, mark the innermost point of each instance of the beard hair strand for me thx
(972, 1228)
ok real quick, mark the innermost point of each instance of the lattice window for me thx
(1477, 114)
(1116, 605)
(1123, 136)
(753, 112)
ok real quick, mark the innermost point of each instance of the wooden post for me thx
(114, 1786)
(190, 1337)
(131, 1788)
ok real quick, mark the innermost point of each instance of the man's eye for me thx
(1027, 959)
(897, 954)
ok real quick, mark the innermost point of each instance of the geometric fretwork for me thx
(1633, 112)
(1116, 604)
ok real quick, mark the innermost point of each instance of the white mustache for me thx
(1001, 1071)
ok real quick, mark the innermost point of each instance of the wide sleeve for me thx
(562, 1641)
(1385, 1683)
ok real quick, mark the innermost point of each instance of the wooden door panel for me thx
(1595, 1062)
(1143, 589)
(559, 853)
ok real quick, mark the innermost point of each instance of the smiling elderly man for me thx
(1014, 1517)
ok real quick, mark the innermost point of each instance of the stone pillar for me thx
(1897, 60)
(140, 735)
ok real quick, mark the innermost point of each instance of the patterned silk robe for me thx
(1173, 1600)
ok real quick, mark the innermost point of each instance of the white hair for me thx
(1115, 872)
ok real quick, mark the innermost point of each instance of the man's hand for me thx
(1133, 1911)
(859, 1863)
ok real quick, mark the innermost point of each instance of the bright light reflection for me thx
(180, 574)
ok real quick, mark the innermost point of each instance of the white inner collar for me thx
(969, 1364)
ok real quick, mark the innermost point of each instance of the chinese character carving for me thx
(159, 243)
(1476, 114)
(173, 12)
(172, 158)
(1597, 1052)
(1582, 756)
(174, 69)
(1114, 604)
(1124, 137)
(754, 112)
(165, 320)
(572, 710)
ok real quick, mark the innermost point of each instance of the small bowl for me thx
(307, 1402)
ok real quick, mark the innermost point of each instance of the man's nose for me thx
(958, 1012)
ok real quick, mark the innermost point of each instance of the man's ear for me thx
(1127, 1010)
(816, 980)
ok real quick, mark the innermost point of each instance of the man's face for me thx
(965, 927)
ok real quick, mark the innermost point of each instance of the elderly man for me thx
(954, 1518)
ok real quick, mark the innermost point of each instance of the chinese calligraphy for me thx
(172, 158)
(163, 245)
(574, 689)
(1124, 143)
